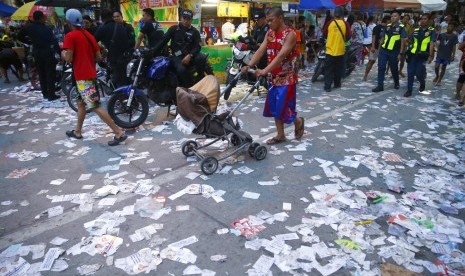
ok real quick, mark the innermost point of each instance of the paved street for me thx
(319, 206)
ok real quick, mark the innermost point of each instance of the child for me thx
(446, 52)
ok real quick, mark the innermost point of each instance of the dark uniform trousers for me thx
(385, 57)
(46, 69)
(185, 75)
(416, 68)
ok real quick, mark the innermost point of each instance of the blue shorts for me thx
(280, 103)
(443, 61)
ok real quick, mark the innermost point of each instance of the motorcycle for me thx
(154, 78)
(242, 55)
(351, 61)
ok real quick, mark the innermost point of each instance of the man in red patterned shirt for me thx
(279, 45)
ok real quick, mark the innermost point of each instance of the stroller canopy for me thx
(210, 88)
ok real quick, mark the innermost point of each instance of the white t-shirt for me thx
(369, 39)
(242, 29)
(461, 37)
(227, 30)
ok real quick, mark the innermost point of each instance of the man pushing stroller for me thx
(280, 43)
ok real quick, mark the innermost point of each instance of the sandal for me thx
(299, 132)
(274, 141)
(117, 141)
(71, 134)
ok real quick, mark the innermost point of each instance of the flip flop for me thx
(299, 132)
(274, 141)
(117, 141)
(71, 134)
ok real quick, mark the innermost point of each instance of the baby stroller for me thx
(198, 104)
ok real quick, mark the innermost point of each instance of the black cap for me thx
(259, 15)
(187, 13)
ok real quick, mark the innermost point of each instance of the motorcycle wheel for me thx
(318, 71)
(130, 117)
(71, 97)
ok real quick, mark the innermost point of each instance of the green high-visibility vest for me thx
(392, 37)
(423, 43)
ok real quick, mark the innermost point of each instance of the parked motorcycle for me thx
(242, 55)
(351, 61)
(151, 77)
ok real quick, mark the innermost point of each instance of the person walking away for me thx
(422, 51)
(280, 102)
(392, 47)
(259, 34)
(227, 30)
(151, 30)
(446, 52)
(117, 41)
(81, 48)
(368, 37)
(337, 32)
(375, 45)
(44, 48)
(408, 30)
(185, 46)
(358, 30)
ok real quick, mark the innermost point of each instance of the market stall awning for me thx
(339, 2)
(6, 10)
(433, 5)
(376, 5)
(316, 4)
(67, 3)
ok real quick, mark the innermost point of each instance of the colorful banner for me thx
(229, 9)
(218, 59)
(195, 7)
(157, 4)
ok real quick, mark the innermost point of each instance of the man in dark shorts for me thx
(9, 57)
(81, 41)
(446, 52)
(151, 31)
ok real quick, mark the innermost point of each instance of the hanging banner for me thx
(229, 9)
(154, 4)
(195, 7)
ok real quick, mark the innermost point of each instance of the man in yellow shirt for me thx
(337, 32)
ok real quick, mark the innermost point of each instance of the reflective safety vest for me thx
(421, 42)
(392, 37)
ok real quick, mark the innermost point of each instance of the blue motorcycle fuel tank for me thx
(158, 68)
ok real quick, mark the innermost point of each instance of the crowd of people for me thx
(282, 48)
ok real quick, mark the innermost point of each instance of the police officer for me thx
(392, 48)
(185, 47)
(422, 50)
(259, 34)
(151, 30)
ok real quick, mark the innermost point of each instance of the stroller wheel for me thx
(209, 165)
(252, 148)
(235, 140)
(260, 153)
(189, 147)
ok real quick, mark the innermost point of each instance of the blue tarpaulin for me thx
(316, 5)
(6, 10)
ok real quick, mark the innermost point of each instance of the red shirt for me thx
(286, 74)
(84, 50)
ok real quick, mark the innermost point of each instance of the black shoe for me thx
(396, 86)
(422, 88)
(408, 94)
(337, 86)
(377, 89)
(327, 89)
(54, 97)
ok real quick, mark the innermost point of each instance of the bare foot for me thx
(435, 79)
(364, 78)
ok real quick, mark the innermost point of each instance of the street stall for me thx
(380, 5)
(6, 11)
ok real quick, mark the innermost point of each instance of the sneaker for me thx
(377, 89)
(422, 88)
(408, 94)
